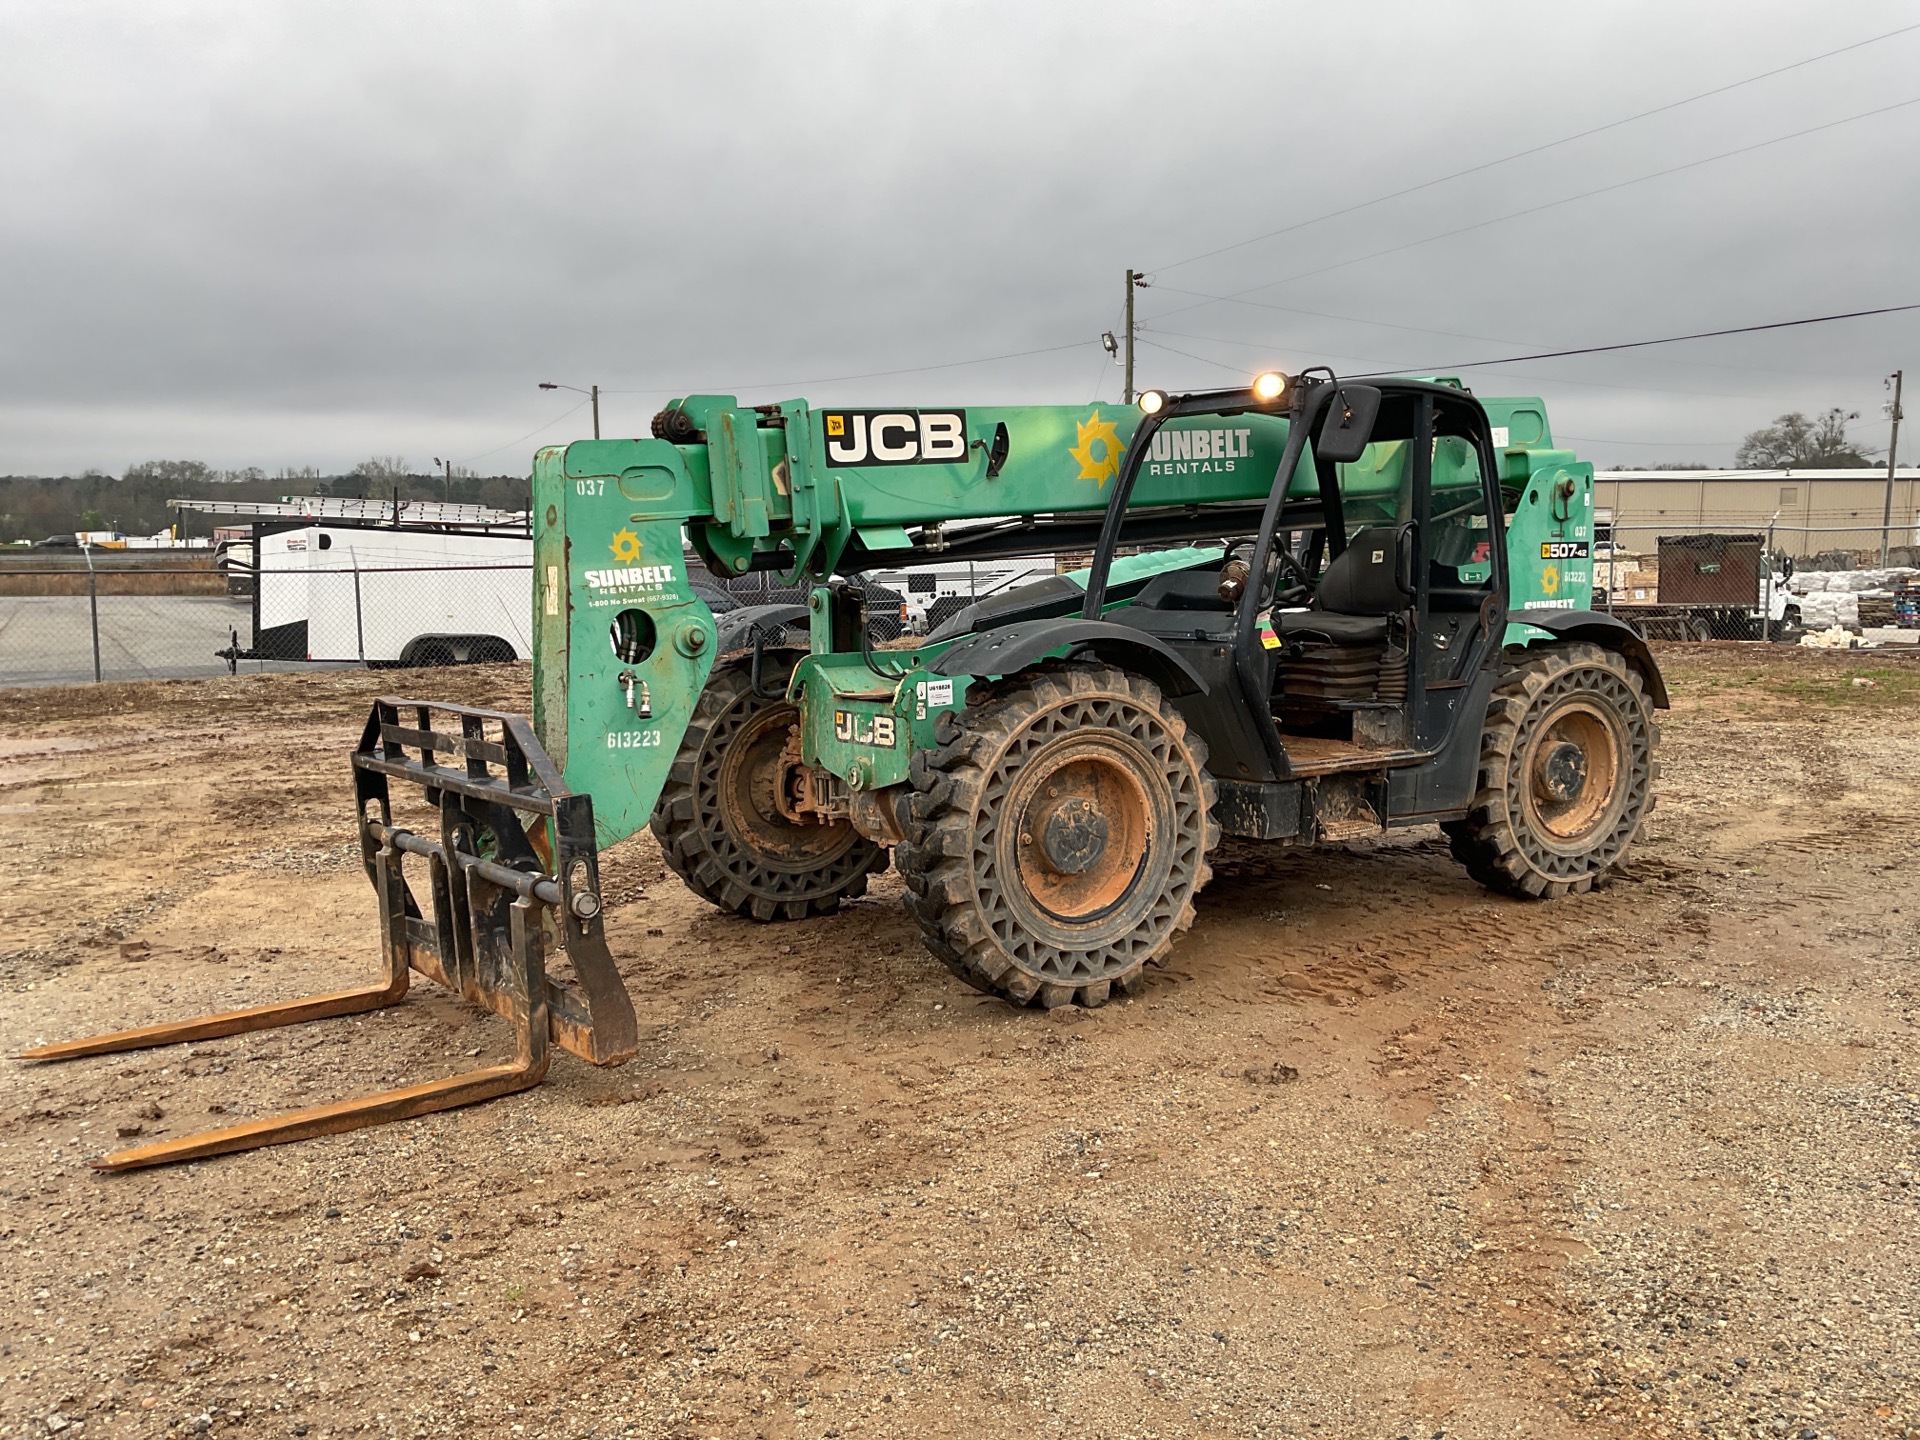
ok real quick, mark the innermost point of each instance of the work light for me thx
(1270, 386)
(1152, 402)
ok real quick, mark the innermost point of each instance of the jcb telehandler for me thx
(1314, 610)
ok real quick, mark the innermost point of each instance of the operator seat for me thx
(1358, 592)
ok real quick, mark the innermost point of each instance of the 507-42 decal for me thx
(1563, 549)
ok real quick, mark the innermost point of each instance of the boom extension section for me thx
(512, 873)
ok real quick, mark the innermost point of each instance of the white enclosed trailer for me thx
(383, 596)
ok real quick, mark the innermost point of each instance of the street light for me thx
(449, 469)
(594, 393)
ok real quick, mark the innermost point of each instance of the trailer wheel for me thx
(1566, 774)
(718, 821)
(1055, 846)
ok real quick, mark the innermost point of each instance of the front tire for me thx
(719, 823)
(1566, 774)
(1055, 846)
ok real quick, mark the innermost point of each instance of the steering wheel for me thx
(1301, 590)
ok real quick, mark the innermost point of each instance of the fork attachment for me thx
(513, 872)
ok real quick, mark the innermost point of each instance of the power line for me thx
(1236, 297)
(1381, 367)
(1413, 189)
(1489, 339)
(1666, 340)
(1217, 364)
(1539, 149)
(528, 436)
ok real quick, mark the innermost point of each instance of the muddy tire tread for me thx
(1487, 842)
(948, 782)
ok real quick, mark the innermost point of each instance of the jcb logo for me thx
(896, 437)
(852, 729)
(1563, 549)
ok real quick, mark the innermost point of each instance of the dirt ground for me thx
(1378, 1154)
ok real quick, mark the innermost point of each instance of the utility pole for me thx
(449, 467)
(596, 412)
(1893, 455)
(1135, 281)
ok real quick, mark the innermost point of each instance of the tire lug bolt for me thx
(1026, 839)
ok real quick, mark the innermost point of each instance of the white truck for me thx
(387, 597)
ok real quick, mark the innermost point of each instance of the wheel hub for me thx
(1563, 771)
(756, 800)
(1084, 832)
(1073, 838)
(1575, 762)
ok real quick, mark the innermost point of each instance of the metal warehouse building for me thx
(1812, 511)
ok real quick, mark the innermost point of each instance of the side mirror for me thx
(1348, 423)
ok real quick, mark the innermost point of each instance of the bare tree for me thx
(383, 470)
(1794, 442)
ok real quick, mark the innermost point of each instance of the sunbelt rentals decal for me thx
(627, 581)
(1198, 452)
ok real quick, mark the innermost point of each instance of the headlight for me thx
(1152, 402)
(1270, 386)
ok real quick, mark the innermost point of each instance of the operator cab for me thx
(1382, 596)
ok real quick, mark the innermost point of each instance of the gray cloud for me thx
(291, 234)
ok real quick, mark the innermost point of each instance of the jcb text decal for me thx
(852, 729)
(895, 437)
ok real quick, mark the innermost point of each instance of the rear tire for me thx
(1566, 774)
(1056, 844)
(717, 822)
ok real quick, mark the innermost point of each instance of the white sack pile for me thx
(1832, 597)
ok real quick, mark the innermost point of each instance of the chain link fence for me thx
(105, 616)
(1834, 585)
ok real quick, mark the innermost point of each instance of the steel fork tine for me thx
(230, 1022)
(456, 1090)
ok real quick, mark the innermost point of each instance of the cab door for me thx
(1460, 600)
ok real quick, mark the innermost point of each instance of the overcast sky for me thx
(301, 234)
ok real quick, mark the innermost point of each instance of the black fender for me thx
(736, 626)
(1609, 632)
(1014, 647)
